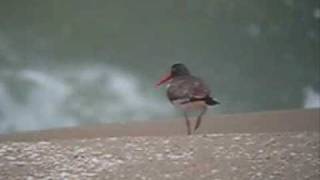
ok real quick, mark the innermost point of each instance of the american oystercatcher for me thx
(187, 92)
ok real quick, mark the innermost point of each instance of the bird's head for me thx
(176, 70)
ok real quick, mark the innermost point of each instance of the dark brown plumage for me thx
(188, 93)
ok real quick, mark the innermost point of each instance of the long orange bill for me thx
(164, 80)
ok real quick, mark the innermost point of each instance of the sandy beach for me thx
(266, 145)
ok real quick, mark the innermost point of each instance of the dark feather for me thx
(187, 87)
(211, 101)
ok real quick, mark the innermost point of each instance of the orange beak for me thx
(164, 79)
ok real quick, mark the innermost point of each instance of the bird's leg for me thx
(204, 110)
(187, 123)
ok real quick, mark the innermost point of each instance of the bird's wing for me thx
(187, 88)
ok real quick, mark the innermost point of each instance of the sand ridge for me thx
(288, 155)
(268, 145)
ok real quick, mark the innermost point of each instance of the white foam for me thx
(311, 98)
(94, 93)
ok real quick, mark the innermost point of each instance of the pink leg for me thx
(199, 118)
(187, 123)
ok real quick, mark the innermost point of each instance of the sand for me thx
(268, 145)
(274, 121)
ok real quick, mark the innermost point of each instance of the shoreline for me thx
(261, 122)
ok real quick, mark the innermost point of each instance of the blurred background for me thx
(65, 63)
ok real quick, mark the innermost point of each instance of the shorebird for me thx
(187, 93)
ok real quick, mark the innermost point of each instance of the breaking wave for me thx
(33, 99)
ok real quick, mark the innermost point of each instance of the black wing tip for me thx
(211, 101)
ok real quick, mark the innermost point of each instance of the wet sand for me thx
(274, 121)
(267, 145)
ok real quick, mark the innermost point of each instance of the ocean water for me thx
(66, 63)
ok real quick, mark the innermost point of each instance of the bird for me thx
(187, 93)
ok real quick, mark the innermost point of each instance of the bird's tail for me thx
(211, 102)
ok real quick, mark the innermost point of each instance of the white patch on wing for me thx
(180, 101)
(198, 96)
